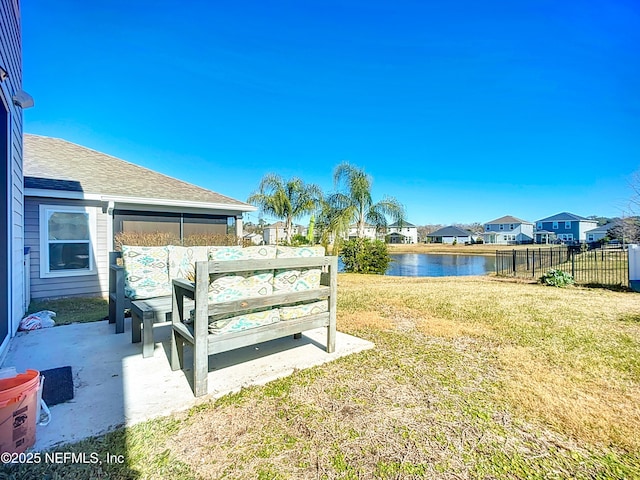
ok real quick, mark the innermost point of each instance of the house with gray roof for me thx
(598, 233)
(277, 232)
(450, 235)
(564, 227)
(77, 200)
(401, 232)
(508, 230)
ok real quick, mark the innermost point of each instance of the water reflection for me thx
(438, 265)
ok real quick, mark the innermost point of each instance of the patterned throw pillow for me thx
(146, 272)
(303, 309)
(296, 280)
(234, 286)
(182, 261)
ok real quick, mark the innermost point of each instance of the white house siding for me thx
(521, 232)
(409, 232)
(11, 246)
(96, 285)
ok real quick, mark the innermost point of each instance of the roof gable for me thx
(566, 217)
(508, 219)
(404, 225)
(56, 164)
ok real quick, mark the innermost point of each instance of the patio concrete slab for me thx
(115, 386)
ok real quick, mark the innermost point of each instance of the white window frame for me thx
(539, 225)
(555, 225)
(44, 241)
(501, 226)
(567, 225)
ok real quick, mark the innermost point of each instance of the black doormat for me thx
(58, 385)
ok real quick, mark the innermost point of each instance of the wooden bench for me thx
(145, 314)
(118, 303)
(196, 333)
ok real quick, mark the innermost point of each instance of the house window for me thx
(555, 225)
(511, 226)
(539, 226)
(567, 225)
(501, 226)
(590, 237)
(487, 228)
(66, 241)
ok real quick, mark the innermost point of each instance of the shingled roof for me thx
(56, 164)
(565, 217)
(450, 231)
(507, 219)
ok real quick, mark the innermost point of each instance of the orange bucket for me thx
(18, 410)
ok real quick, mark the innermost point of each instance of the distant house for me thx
(508, 230)
(253, 238)
(402, 233)
(450, 235)
(277, 232)
(78, 199)
(565, 227)
(598, 233)
(13, 288)
(370, 231)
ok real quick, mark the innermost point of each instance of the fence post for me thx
(514, 262)
(528, 266)
(573, 264)
(533, 263)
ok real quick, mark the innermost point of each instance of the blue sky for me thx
(464, 111)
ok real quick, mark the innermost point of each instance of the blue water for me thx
(438, 265)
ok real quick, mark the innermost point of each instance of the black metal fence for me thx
(588, 267)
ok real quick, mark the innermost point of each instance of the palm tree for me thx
(288, 200)
(355, 204)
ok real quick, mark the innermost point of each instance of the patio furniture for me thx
(238, 303)
(140, 280)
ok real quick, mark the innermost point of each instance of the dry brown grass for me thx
(159, 239)
(560, 353)
(470, 378)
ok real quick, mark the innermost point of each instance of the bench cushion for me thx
(303, 310)
(146, 272)
(238, 323)
(231, 286)
(182, 260)
(296, 280)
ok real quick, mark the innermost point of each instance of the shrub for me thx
(362, 255)
(556, 278)
(298, 240)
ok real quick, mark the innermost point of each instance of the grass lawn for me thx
(73, 310)
(470, 378)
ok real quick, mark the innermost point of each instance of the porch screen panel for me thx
(148, 225)
(205, 226)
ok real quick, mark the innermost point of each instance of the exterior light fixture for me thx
(23, 100)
